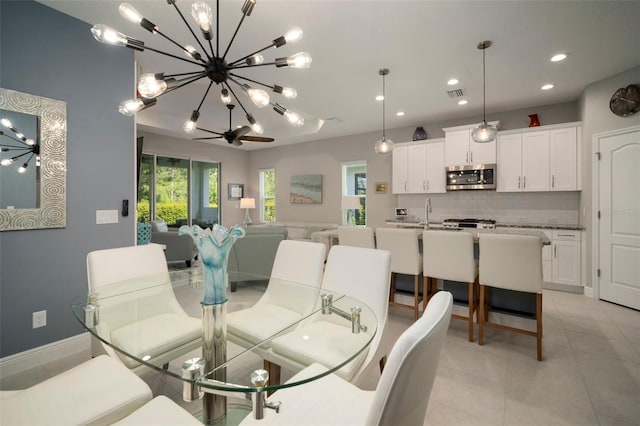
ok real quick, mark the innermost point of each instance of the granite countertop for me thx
(540, 226)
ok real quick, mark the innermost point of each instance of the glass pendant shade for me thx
(484, 133)
(384, 146)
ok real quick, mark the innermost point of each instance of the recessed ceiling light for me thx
(462, 102)
(400, 113)
(379, 98)
(453, 82)
(559, 57)
(547, 86)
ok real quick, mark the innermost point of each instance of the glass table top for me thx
(132, 316)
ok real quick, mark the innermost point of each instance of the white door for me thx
(535, 161)
(562, 159)
(457, 147)
(436, 170)
(399, 170)
(509, 163)
(619, 224)
(482, 153)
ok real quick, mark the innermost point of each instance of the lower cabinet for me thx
(561, 260)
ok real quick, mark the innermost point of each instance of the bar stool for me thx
(356, 236)
(405, 259)
(512, 262)
(448, 255)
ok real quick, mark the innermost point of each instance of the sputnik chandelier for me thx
(18, 147)
(212, 63)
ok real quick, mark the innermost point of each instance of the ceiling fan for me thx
(234, 137)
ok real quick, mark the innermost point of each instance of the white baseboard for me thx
(17, 363)
(588, 292)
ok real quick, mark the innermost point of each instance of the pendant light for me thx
(484, 132)
(384, 145)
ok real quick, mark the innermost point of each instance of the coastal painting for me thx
(306, 189)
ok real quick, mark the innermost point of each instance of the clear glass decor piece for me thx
(214, 246)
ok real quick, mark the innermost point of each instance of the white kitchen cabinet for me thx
(566, 257)
(539, 159)
(460, 149)
(436, 170)
(563, 159)
(418, 168)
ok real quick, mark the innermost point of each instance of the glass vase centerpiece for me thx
(214, 246)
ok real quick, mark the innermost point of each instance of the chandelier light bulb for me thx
(191, 52)
(129, 13)
(300, 60)
(6, 161)
(6, 123)
(294, 118)
(201, 13)
(259, 97)
(225, 97)
(257, 128)
(190, 124)
(255, 60)
(289, 92)
(20, 136)
(23, 168)
(108, 35)
(130, 107)
(294, 34)
(150, 87)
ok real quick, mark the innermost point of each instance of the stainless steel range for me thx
(469, 223)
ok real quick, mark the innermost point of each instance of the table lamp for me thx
(247, 203)
(349, 203)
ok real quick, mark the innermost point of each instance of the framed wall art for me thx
(381, 187)
(236, 191)
(306, 189)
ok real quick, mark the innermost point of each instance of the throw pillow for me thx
(159, 226)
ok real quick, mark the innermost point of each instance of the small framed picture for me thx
(236, 191)
(381, 187)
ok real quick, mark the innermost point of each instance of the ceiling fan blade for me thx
(255, 139)
(204, 139)
(210, 131)
(237, 142)
(238, 133)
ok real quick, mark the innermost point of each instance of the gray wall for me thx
(46, 53)
(235, 165)
(597, 118)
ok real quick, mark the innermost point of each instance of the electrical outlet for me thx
(39, 319)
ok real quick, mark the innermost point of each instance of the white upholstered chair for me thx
(448, 255)
(159, 327)
(512, 262)
(403, 244)
(402, 394)
(356, 236)
(285, 301)
(356, 272)
(100, 391)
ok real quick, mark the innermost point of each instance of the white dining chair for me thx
(138, 309)
(512, 262)
(402, 394)
(291, 294)
(448, 255)
(356, 236)
(404, 246)
(362, 274)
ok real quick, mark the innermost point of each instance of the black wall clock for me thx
(625, 101)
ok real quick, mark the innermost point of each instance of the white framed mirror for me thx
(34, 168)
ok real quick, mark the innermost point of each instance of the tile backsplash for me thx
(505, 207)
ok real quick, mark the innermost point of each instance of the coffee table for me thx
(241, 368)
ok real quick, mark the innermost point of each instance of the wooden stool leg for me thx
(416, 297)
(481, 317)
(425, 293)
(392, 289)
(471, 309)
(539, 324)
(274, 373)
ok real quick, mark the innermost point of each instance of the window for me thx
(354, 183)
(178, 191)
(268, 195)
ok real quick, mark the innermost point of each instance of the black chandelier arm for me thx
(235, 96)
(251, 54)
(184, 73)
(217, 26)
(244, 15)
(191, 30)
(192, 80)
(205, 96)
(173, 56)
(177, 44)
(15, 148)
(22, 155)
(251, 80)
(15, 139)
(264, 64)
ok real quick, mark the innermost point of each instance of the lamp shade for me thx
(350, 202)
(247, 203)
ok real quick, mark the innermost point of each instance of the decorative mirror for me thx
(33, 165)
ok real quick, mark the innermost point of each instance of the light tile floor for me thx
(590, 374)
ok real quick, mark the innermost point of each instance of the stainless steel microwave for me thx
(472, 176)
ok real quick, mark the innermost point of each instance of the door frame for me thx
(595, 203)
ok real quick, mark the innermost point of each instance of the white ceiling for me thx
(423, 43)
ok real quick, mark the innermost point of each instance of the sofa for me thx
(319, 232)
(177, 247)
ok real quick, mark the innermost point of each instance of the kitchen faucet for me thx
(427, 210)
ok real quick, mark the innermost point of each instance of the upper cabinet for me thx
(460, 149)
(418, 168)
(542, 158)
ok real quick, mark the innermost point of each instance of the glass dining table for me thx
(239, 374)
